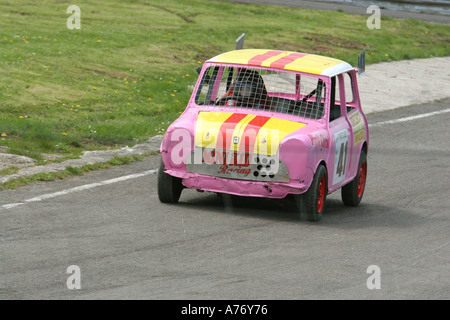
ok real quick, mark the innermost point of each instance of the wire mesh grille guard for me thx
(277, 91)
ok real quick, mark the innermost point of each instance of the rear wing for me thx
(240, 42)
(362, 63)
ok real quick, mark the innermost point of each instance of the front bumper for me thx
(264, 189)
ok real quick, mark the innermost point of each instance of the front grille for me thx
(237, 165)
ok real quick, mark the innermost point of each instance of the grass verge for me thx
(128, 72)
(9, 170)
(70, 171)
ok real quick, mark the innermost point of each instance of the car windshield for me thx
(261, 89)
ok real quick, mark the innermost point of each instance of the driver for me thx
(245, 90)
(248, 90)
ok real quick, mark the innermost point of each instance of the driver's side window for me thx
(335, 106)
(337, 97)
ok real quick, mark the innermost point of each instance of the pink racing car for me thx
(269, 123)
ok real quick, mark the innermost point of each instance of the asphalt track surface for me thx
(130, 246)
(330, 6)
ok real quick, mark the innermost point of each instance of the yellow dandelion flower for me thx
(172, 95)
(187, 75)
(94, 88)
(134, 81)
(64, 134)
(126, 82)
(4, 135)
(20, 117)
(98, 41)
(386, 55)
(129, 104)
(149, 99)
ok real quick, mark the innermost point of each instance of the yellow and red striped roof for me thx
(286, 60)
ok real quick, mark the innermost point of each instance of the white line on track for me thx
(80, 188)
(419, 116)
(148, 172)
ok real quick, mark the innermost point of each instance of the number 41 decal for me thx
(340, 158)
(340, 170)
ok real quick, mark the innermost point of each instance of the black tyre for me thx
(169, 188)
(312, 204)
(353, 192)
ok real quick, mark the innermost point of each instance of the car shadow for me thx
(367, 214)
(270, 209)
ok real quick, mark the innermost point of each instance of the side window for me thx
(348, 89)
(335, 105)
(335, 111)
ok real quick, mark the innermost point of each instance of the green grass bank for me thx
(128, 72)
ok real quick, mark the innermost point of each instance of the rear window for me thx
(255, 88)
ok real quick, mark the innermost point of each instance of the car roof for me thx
(285, 60)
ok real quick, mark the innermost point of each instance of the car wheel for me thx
(352, 192)
(313, 201)
(169, 188)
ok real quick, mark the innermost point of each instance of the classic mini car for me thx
(269, 123)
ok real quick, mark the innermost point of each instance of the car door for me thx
(341, 136)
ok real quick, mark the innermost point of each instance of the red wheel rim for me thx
(321, 195)
(362, 179)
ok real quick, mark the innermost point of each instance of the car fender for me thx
(178, 143)
(302, 154)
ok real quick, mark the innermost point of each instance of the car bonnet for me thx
(242, 132)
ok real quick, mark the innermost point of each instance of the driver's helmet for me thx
(245, 89)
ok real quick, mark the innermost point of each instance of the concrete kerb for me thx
(27, 167)
(385, 86)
